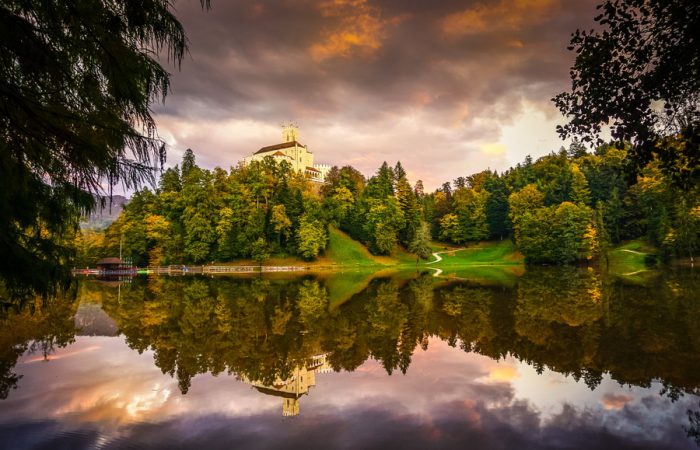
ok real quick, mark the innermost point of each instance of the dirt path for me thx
(438, 258)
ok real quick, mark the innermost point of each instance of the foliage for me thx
(574, 207)
(198, 215)
(638, 72)
(557, 234)
(77, 81)
(312, 237)
(259, 251)
(420, 245)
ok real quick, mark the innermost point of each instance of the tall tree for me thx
(643, 55)
(77, 80)
(497, 207)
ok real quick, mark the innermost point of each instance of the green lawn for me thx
(348, 265)
(483, 254)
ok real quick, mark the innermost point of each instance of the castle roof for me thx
(271, 148)
(311, 169)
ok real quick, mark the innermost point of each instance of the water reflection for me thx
(486, 362)
(296, 385)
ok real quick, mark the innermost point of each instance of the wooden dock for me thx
(180, 269)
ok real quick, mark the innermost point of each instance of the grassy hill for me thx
(344, 250)
(482, 254)
(347, 253)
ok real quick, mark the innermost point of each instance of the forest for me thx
(566, 207)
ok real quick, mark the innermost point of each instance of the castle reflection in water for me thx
(298, 384)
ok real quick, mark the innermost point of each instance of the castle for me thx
(292, 151)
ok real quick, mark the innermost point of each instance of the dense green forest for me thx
(565, 207)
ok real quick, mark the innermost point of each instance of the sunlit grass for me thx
(483, 253)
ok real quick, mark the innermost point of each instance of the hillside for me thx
(103, 217)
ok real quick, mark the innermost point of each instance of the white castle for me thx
(292, 151)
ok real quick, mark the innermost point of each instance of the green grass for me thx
(482, 254)
(343, 250)
(348, 266)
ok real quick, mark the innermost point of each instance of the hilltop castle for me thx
(292, 151)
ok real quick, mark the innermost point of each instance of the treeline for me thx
(569, 206)
(565, 207)
(197, 216)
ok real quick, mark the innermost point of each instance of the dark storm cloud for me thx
(449, 425)
(462, 69)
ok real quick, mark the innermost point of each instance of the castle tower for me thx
(290, 132)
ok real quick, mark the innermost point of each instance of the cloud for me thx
(499, 17)
(360, 30)
(615, 401)
(429, 83)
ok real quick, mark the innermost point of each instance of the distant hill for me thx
(101, 218)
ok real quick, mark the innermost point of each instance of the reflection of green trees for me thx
(37, 327)
(573, 321)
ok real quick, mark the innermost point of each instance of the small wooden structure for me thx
(109, 264)
(114, 266)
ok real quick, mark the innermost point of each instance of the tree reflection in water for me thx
(574, 321)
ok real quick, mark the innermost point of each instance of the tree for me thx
(280, 222)
(527, 199)
(311, 237)
(77, 80)
(420, 245)
(497, 207)
(450, 229)
(580, 194)
(557, 234)
(382, 184)
(382, 223)
(470, 207)
(259, 251)
(643, 55)
(409, 207)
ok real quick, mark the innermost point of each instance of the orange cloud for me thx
(615, 401)
(506, 15)
(360, 30)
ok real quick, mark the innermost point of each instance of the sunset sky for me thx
(449, 88)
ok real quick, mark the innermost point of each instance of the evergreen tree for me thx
(410, 208)
(580, 194)
(497, 207)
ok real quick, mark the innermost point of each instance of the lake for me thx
(484, 358)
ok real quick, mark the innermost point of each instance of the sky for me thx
(449, 88)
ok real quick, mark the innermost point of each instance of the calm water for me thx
(553, 358)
